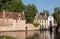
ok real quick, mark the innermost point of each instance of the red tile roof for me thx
(13, 15)
(41, 17)
(22, 16)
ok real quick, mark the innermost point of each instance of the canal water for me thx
(32, 34)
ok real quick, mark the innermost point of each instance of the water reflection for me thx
(42, 35)
(57, 35)
(32, 34)
(35, 36)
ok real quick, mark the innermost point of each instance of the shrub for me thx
(36, 24)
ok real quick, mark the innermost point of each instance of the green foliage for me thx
(56, 14)
(0, 12)
(2, 37)
(18, 6)
(36, 24)
(30, 12)
(3, 3)
(0, 5)
(12, 5)
(43, 13)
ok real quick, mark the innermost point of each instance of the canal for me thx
(32, 34)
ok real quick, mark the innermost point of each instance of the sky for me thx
(44, 4)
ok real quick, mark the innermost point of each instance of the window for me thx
(16, 20)
(11, 24)
(42, 21)
(19, 16)
(7, 15)
(45, 21)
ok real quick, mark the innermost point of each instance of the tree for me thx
(30, 12)
(18, 6)
(4, 3)
(56, 14)
(0, 5)
(45, 12)
(12, 5)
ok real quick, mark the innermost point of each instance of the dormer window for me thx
(16, 20)
(19, 16)
(11, 24)
(7, 16)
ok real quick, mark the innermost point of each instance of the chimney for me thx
(22, 12)
(36, 14)
(45, 14)
(4, 13)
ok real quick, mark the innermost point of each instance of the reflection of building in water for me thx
(43, 35)
(30, 34)
(17, 35)
(44, 21)
(46, 35)
(56, 35)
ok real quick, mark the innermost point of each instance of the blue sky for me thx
(44, 4)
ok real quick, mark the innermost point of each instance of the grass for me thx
(2, 37)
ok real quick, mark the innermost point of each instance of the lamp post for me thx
(26, 31)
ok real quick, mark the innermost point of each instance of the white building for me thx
(44, 21)
(50, 21)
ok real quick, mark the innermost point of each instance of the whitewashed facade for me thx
(50, 21)
(44, 21)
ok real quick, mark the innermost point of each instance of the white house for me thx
(44, 21)
(50, 21)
